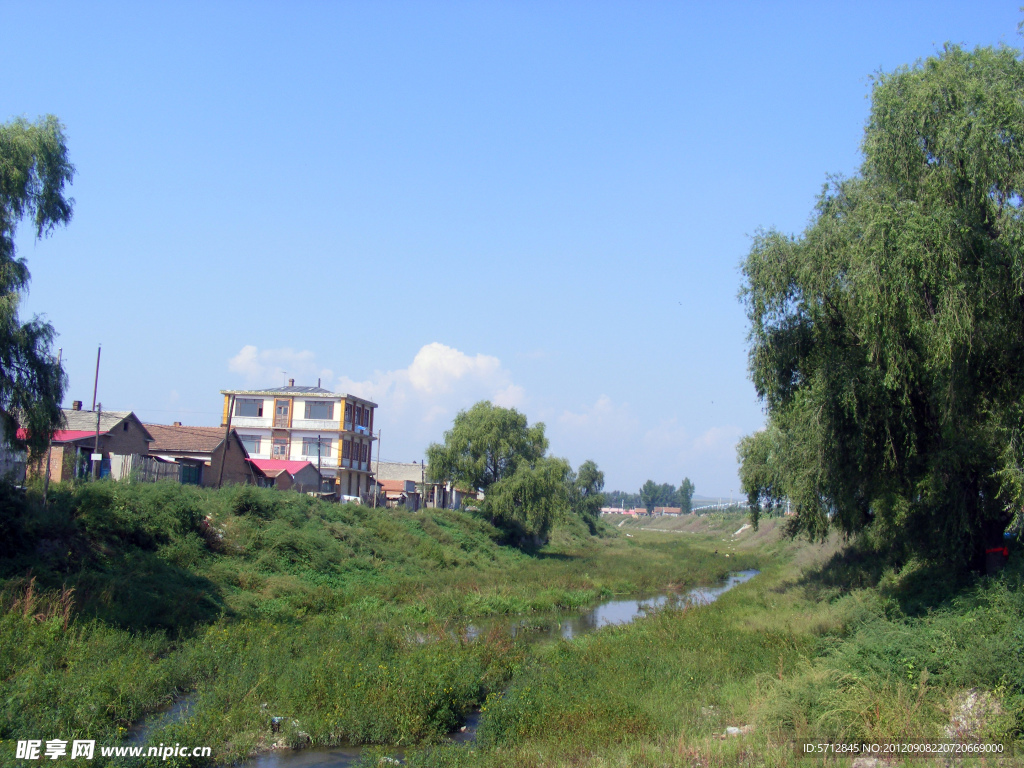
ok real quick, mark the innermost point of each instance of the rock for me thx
(732, 731)
(865, 762)
(748, 728)
(970, 713)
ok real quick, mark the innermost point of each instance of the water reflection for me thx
(568, 625)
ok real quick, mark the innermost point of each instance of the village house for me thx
(199, 453)
(331, 431)
(120, 433)
(669, 511)
(400, 493)
(284, 475)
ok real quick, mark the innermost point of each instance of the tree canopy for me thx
(887, 341)
(495, 450)
(686, 489)
(34, 170)
(484, 445)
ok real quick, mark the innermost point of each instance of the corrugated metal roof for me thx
(63, 435)
(270, 465)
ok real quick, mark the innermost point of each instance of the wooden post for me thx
(49, 447)
(96, 442)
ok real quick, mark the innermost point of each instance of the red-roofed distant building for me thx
(285, 475)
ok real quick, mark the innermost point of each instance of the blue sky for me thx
(545, 204)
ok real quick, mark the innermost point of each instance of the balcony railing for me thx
(251, 422)
(353, 464)
(319, 425)
(325, 461)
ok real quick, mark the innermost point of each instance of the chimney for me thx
(76, 405)
(291, 382)
(177, 423)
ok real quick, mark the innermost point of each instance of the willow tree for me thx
(34, 170)
(887, 341)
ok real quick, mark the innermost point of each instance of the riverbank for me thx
(347, 624)
(313, 624)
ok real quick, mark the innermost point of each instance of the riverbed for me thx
(563, 625)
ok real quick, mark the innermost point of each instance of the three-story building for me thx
(331, 430)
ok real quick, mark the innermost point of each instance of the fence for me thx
(145, 469)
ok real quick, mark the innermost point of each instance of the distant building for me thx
(613, 511)
(199, 452)
(400, 493)
(439, 495)
(307, 424)
(670, 511)
(120, 433)
(289, 475)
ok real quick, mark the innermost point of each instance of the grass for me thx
(347, 623)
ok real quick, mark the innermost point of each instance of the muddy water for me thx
(533, 629)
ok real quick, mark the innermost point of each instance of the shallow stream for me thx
(566, 625)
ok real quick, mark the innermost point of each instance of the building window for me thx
(345, 452)
(280, 448)
(362, 452)
(191, 474)
(366, 417)
(309, 446)
(248, 406)
(251, 443)
(348, 415)
(319, 410)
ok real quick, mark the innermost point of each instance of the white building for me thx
(330, 430)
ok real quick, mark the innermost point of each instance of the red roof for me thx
(269, 465)
(392, 486)
(63, 435)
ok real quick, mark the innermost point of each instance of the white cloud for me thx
(269, 367)
(632, 449)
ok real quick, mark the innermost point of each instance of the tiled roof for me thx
(86, 420)
(181, 438)
(392, 486)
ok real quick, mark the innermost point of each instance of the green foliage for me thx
(34, 169)
(886, 339)
(528, 500)
(686, 489)
(585, 486)
(494, 449)
(484, 445)
(654, 495)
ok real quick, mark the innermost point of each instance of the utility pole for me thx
(96, 445)
(49, 447)
(227, 433)
(96, 381)
(375, 480)
(320, 482)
